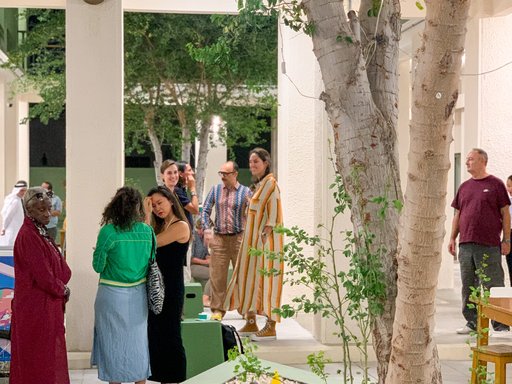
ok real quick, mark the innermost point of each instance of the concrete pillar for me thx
(469, 135)
(3, 146)
(9, 139)
(94, 146)
(494, 89)
(297, 154)
(23, 142)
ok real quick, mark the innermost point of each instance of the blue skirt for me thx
(120, 348)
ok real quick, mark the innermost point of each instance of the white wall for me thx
(495, 95)
(296, 134)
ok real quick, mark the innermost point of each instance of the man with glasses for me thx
(230, 199)
(56, 209)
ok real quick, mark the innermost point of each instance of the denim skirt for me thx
(120, 348)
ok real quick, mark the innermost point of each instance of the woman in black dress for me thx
(166, 352)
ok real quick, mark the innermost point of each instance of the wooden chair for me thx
(499, 354)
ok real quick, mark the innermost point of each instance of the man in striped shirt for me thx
(230, 199)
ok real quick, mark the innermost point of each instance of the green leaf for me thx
(419, 6)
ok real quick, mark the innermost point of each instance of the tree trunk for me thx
(156, 145)
(364, 135)
(414, 356)
(204, 145)
(186, 145)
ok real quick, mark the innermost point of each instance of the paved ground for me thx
(294, 343)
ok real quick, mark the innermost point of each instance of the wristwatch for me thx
(193, 193)
(506, 241)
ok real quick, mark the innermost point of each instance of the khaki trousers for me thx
(223, 251)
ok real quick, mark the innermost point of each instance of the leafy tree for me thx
(358, 57)
(180, 71)
(200, 66)
(41, 55)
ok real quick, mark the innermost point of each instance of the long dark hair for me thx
(125, 209)
(182, 165)
(177, 209)
(264, 156)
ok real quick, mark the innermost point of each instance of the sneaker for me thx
(267, 333)
(216, 316)
(249, 328)
(465, 330)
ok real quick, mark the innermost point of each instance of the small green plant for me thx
(356, 293)
(480, 294)
(317, 363)
(247, 364)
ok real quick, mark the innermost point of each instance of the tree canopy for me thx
(179, 69)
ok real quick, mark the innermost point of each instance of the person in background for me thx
(124, 247)
(230, 201)
(200, 262)
(167, 354)
(38, 343)
(12, 214)
(56, 210)
(509, 255)
(170, 177)
(481, 216)
(186, 173)
(249, 290)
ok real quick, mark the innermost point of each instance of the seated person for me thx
(200, 263)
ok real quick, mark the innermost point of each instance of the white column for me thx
(495, 85)
(8, 140)
(296, 153)
(94, 146)
(471, 120)
(23, 142)
(3, 145)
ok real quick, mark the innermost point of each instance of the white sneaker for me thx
(465, 330)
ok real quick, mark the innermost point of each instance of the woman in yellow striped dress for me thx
(250, 291)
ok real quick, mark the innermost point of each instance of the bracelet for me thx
(193, 193)
(506, 241)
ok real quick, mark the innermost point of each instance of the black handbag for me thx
(230, 339)
(155, 285)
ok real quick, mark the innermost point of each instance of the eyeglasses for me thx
(224, 174)
(40, 196)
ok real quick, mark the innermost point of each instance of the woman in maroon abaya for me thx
(38, 344)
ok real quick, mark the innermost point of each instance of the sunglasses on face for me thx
(40, 196)
(224, 174)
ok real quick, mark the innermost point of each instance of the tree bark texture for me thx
(361, 100)
(204, 143)
(149, 122)
(414, 356)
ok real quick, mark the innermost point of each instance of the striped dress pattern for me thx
(249, 289)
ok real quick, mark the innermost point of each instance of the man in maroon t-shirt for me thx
(481, 216)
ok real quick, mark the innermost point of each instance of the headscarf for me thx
(11, 197)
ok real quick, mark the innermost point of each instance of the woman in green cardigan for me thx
(123, 249)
